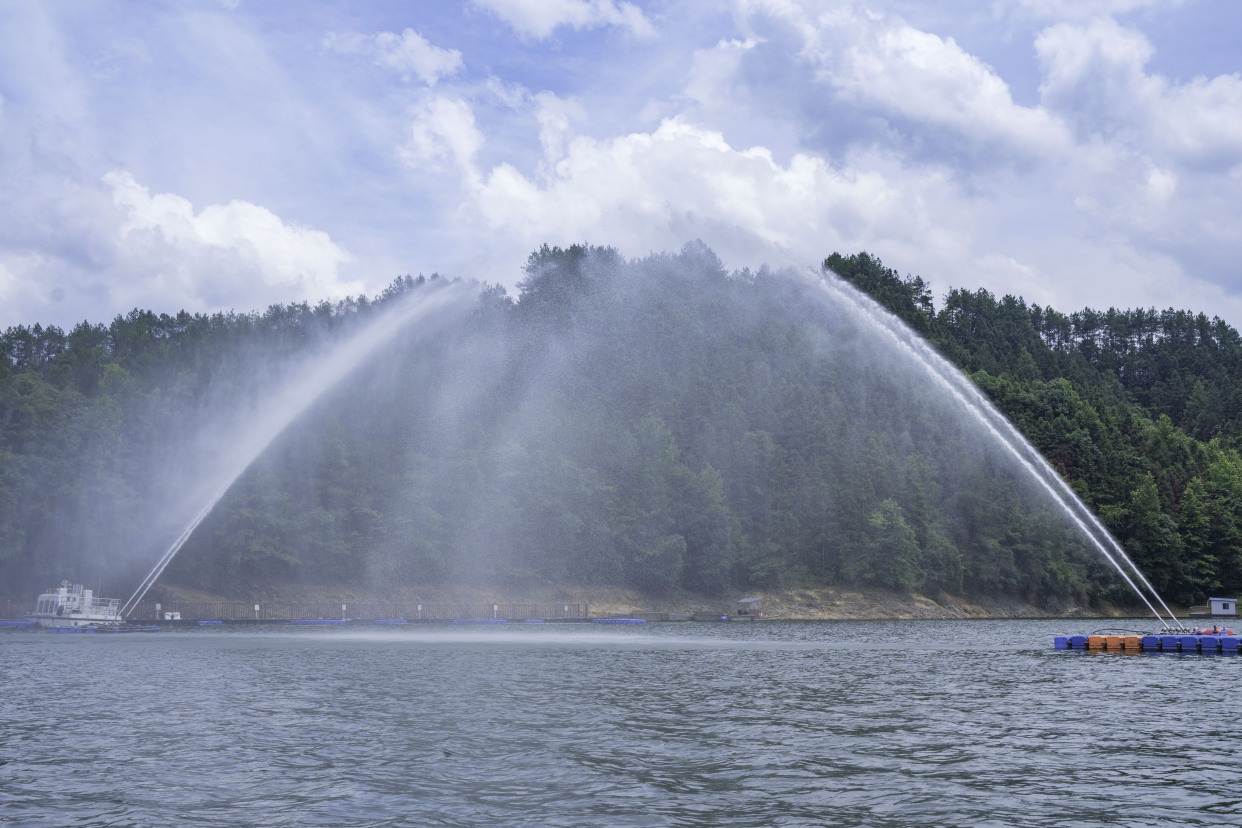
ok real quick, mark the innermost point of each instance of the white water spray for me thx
(986, 414)
(280, 409)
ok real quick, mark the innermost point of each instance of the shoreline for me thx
(791, 604)
(593, 602)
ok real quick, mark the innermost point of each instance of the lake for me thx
(737, 724)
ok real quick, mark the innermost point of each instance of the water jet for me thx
(296, 396)
(998, 426)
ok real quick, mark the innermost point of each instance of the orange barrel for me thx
(1132, 642)
(1095, 642)
(1112, 642)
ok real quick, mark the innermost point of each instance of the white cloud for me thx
(512, 95)
(933, 82)
(645, 191)
(442, 133)
(539, 18)
(924, 88)
(809, 125)
(556, 117)
(715, 71)
(408, 53)
(223, 253)
(1095, 77)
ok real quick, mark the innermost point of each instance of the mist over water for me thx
(650, 424)
(655, 424)
(286, 402)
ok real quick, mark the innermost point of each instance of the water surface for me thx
(773, 723)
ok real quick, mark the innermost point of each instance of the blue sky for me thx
(228, 154)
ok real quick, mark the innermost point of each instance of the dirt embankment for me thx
(821, 603)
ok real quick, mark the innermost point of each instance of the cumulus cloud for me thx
(408, 53)
(925, 89)
(1030, 146)
(556, 117)
(933, 82)
(715, 71)
(1095, 77)
(442, 134)
(1120, 202)
(223, 253)
(682, 181)
(540, 18)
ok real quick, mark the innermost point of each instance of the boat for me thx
(70, 605)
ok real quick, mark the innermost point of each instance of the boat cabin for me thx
(73, 605)
(1223, 606)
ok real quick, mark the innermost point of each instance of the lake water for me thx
(773, 723)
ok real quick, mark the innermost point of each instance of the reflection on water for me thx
(825, 723)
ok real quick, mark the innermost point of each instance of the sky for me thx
(230, 154)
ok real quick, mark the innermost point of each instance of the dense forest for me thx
(657, 424)
(1141, 411)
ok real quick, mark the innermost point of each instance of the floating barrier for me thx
(18, 625)
(319, 622)
(209, 623)
(618, 620)
(391, 621)
(480, 621)
(1151, 643)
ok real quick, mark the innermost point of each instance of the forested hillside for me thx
(1141, 411)
(655, 424)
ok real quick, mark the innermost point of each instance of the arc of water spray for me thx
(965, 392)
(295, 398)
(167, 557)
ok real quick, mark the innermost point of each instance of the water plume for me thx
(294, 397)
(998, 426)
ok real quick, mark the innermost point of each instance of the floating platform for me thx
(1151, 643)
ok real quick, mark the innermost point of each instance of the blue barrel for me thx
(1151, 643)
(1229, 644)
(1209, 643)
(1060, 642)
(1190, 643)
(1170, 643)
(1078, 642)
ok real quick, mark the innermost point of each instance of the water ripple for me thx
(927, 723)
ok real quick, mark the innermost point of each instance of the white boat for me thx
(69, 605)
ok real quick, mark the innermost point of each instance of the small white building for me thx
(1223, 606)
